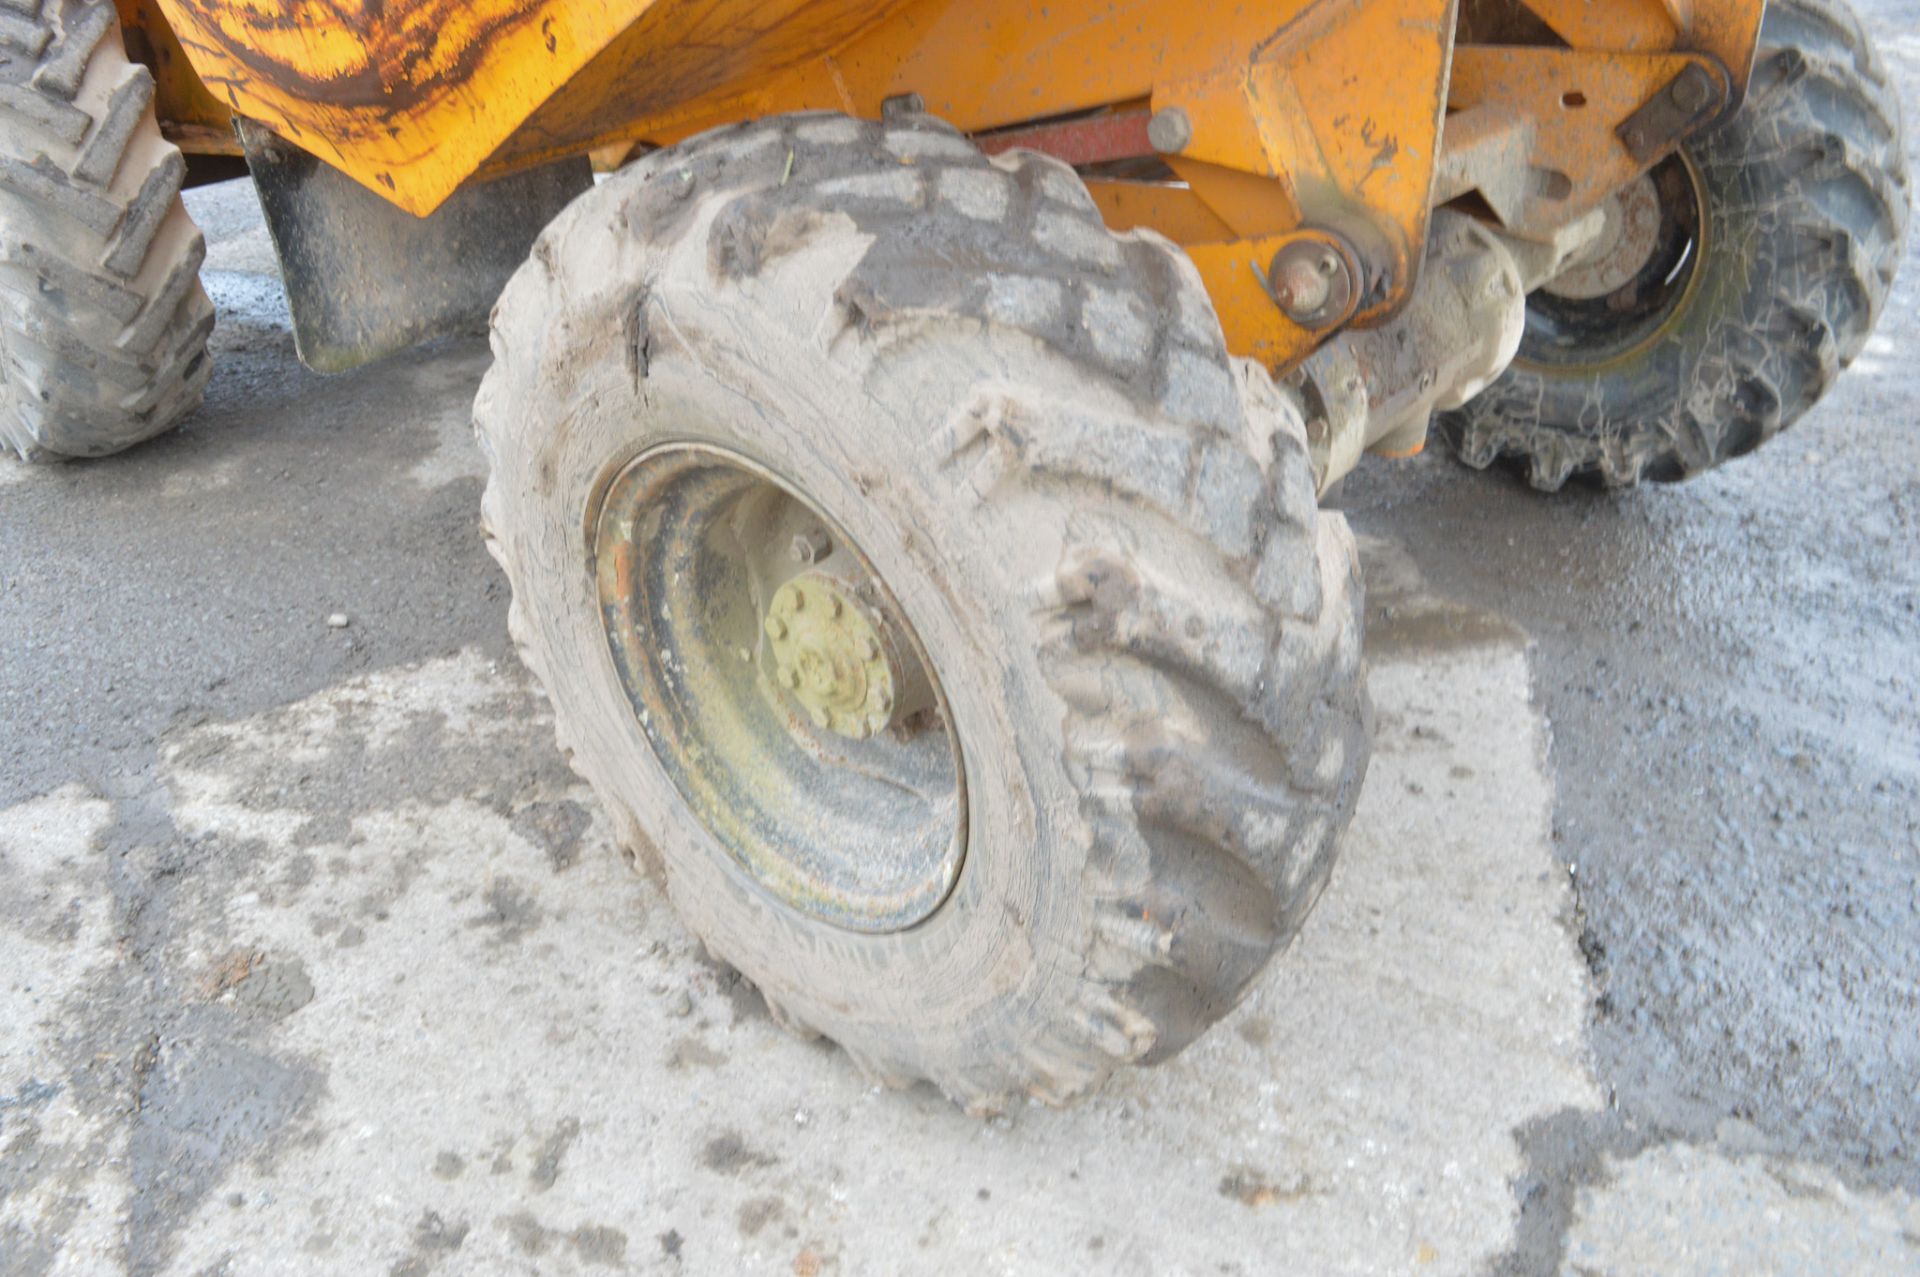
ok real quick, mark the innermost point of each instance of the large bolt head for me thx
(1170, 131)
(1311, 283)
(1301, 286)
(1694, 90)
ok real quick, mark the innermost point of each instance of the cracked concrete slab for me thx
(64, 1187)
(520, 1060)
(1680, 1208)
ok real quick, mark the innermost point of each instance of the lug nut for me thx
(810, 547)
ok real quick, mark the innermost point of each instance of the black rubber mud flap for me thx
(366, 278)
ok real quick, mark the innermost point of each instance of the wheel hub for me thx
(1633, 284)
(829, 655)
(1629, 236)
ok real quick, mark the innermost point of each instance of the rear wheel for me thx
(1734, 284)
(103, 325)
(924, 590)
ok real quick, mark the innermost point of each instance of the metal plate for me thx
(366, 279)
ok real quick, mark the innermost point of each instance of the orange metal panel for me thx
(190, 116)
(1727, 30)
(755, 55)
(1614, 24)
(411, 97)
(408, 98)
(1175, 211)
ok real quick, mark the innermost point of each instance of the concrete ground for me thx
(315, 958)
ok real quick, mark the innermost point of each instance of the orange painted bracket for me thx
(1561, 110)
(1726, 30)
(1334, 124)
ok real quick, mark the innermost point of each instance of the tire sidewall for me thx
(727, 368)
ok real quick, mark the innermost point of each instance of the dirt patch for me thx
(729, 1154)
(1250, 1188)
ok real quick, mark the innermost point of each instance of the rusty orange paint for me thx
(408, 98)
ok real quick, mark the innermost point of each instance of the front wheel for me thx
(927, 595)
(1734, 283)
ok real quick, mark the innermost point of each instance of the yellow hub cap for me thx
(829, 654)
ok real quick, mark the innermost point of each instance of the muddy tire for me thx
(1802, 202)
(1100, 530)
(103, 324)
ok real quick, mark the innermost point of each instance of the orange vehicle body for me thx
(1343, 122)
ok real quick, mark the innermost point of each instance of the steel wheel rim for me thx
(821, 756)
(1586, 334)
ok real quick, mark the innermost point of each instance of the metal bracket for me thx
(366, 279)
(1690, 100)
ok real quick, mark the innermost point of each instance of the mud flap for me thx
(365, 278)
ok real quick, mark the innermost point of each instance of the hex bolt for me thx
(1170, 131)
(776, 628)
(810, 547)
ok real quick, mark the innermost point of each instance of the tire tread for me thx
(103, 327)
(1192, 617)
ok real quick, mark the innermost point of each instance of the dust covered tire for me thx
(1103, 530)
(1805, 201)
(103, 324)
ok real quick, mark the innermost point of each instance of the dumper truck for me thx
(908, 419)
